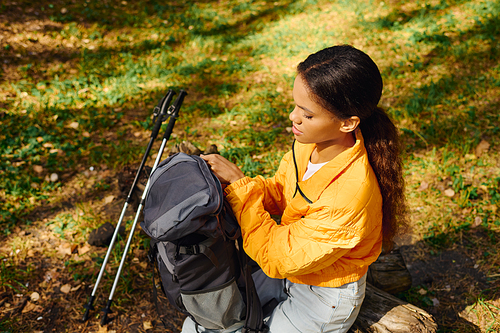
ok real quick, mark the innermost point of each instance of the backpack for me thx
(195, 242)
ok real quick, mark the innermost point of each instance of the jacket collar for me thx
(315, 185)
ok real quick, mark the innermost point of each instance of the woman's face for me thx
(311, 122)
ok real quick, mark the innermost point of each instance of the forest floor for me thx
(79, 79)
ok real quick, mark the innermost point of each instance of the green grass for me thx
(85, 98)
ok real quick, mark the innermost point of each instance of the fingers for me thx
(226, 171)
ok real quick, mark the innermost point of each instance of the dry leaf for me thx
(482, 147)
(76, 288)
(449, 192)
(38, 168)
(64, 249)
(423, 186)
(109, 199)
(74, 125)
(66, 288)
(477, 222)
(51, 275)
(29, 307)
(147, 325)
(102, 329)
(83, 249)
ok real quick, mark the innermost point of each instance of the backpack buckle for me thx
(190, 250)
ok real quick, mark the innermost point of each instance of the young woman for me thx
(339, 192)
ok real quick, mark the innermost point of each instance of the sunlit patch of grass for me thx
(81, 88)
(485, 313)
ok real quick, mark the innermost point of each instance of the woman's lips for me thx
(296, 131)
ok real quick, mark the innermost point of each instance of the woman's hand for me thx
(226, 171)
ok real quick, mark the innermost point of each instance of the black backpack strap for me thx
(201, 248)
(152, 257)
(297, 187)
(254, 322)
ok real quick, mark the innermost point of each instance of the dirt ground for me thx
(60, 275)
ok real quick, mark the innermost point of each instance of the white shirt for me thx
(311, 169)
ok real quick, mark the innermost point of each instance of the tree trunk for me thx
(383, 313)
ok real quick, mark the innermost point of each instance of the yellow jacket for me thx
(326, 243)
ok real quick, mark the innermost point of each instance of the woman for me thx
(339, 191)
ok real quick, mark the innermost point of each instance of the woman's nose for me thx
(293, 116)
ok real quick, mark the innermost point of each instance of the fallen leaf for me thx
(147, 325)
(73, 125)
(51, 275)
(83, 249)
(102, 329)
(449, 192)
(76, 288)
(422, 291)
(66, 288)
(38, 168)
(423, 186)
(64, 249)
(109, 199)
(482, 147)
(29, 307)
(477, 222)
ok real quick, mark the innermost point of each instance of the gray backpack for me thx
(194, 237)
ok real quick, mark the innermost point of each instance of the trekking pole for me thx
(160, 113)
(173, 111)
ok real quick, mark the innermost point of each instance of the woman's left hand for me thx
(226, 171)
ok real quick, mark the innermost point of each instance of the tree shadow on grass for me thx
(468, 70)
(447, 280)
(180, 19)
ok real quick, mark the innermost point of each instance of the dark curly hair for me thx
(346, 82)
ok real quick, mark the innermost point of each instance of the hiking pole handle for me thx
(173, 111)
(163, 111)
(160, 112)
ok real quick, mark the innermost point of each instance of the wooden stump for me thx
(389, 273)
(383, 313)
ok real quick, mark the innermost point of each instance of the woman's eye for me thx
(307, 117)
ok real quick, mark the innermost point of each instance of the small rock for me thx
(35, 296)
(449, 192)
(54, 177)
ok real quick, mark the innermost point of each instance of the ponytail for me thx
(383, 148)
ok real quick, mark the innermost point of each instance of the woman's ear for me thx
(349, 124)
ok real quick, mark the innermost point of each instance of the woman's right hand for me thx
(226, 171)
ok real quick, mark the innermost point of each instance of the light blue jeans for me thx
(302, 308)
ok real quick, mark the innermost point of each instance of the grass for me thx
(79, 81)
